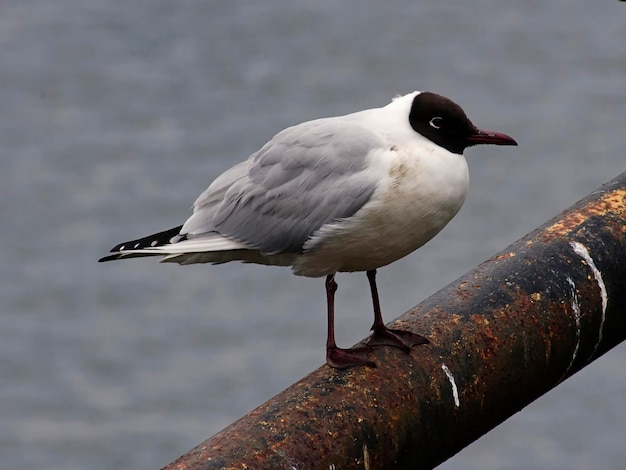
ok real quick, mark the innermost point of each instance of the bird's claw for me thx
(400, 339)
(344, 358)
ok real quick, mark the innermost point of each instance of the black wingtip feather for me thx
(125, 256)
(156, 239)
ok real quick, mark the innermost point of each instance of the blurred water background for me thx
(115, 115)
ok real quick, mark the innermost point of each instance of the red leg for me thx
(383, 336)
(337, 357)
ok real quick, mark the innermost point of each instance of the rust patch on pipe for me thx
(613, 202)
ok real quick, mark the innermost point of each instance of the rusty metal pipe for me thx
(501, 336)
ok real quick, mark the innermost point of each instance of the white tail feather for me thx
(195, 245)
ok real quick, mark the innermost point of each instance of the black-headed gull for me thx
(346, 193)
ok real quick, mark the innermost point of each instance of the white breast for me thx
(421, 189)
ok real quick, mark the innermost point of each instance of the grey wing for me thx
(306, 176)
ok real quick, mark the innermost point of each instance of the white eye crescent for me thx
(436, 122)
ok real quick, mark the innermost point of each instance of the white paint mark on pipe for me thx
(291, 463)
(455, 391)
(576, 310)
(366, 457)
(581, 250)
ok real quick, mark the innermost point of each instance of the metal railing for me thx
(501, 336)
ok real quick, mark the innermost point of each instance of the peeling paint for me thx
(581, 250)
(455, 391)
(366, 457)
(576, 311)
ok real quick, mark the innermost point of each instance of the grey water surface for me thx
(115, 115)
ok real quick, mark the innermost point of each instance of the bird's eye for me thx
(436, 122)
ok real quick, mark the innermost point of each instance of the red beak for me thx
(490, 138)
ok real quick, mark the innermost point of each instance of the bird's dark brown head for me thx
(444, 123)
